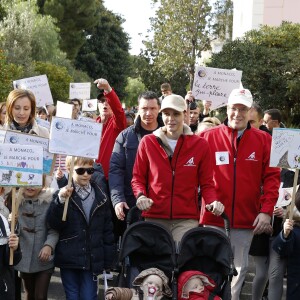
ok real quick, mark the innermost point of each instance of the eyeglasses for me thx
(241, 110)
(81, 171)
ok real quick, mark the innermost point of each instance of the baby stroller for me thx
(147, 245)
(209, 250)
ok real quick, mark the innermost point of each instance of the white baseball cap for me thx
(240, 96)
(175, 102)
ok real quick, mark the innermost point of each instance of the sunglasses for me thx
(81, 171)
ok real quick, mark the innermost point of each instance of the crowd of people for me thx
(174, 160)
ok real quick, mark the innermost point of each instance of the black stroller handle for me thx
(133, 212)
(226, 221)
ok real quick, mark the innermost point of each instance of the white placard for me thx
(285, 151)
(14, 137)
(43, 123)
(39, 86)
(75, 138)
(80, 90)
(21, 165)
(89, 105)
(64, 110)
(285, 196)
(215, 85)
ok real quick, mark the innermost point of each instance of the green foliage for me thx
(58, 78)
(105, 52)
(180, 34)
(73, 18)
(8, 73)
(133, 89)
(26, 36)
(270, 61)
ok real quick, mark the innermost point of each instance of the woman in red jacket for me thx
(170, 166)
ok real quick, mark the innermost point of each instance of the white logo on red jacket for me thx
(251, 157)
(190, 163)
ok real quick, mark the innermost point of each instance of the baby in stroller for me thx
(151, 284)
(195, 285)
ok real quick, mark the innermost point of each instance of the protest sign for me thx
(80, 90)
(285, 196)
(14, 137)
(39, 86)
(64, 110)
(21, 165)
(75, 137)
(89, 105)
(285, 149)
(215, 85)
(43, 123)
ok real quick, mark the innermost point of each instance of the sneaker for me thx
(109, 276)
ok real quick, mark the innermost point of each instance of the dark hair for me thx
(75, 100)
(166, 86)
(274, 113)
(258, 109)
(101, 96)
(40, 110)
(148, 95)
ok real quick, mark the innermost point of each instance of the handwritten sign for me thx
(64, 110)
(13, 137)
(21, 165)
(39, 86)
(215, 85)
(89, 105)
(75, 137)
(80, 90)
(285, 151)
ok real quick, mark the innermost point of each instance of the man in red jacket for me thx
(241, 157)
(170, 166)
(112, 116)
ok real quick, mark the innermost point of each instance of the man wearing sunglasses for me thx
(112, 116)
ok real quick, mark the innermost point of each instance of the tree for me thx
(133, 89)
(58, 78)
(270, 61)
(73, 18)
(105, 52)
(181, 32)
(8, 73)
(26, 36)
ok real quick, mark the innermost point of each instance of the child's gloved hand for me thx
(144, 203)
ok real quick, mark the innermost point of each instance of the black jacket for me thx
(83, 245)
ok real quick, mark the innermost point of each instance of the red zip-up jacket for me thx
(111, 129)
(173, 184)
(239, 174)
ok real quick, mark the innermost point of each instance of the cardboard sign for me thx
(89, 105)
(215, 85)
(80, 90)
(75, 137)
(2, 135)
(39, 86)
(285, 151)
(64, 110)
(14, 137)
(21, 165)
(285, 196)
